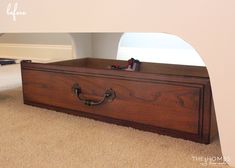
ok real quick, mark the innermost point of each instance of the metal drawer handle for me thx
(109, 95)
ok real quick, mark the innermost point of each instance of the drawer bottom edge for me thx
(144, 127)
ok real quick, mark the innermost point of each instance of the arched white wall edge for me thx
(81, 44)
(157, 47)
(74, 51)
(209, 26)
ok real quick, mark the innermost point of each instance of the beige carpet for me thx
(31, 137)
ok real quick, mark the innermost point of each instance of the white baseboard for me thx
(36, 52)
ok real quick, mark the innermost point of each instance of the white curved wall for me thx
(157, 47)
(207, 25)
(82, 44)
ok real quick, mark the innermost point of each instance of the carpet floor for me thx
(31, 137)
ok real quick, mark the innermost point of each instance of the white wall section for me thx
(36, 52)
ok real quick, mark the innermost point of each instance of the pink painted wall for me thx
(209, 26)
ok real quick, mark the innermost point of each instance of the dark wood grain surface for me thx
(173, 100)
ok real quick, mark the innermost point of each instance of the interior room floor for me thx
(31, 137)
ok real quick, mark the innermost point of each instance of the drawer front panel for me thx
(164, 105)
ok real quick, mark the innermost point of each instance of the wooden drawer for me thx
(174, 107)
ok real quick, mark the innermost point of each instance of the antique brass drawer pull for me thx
(109, 95)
